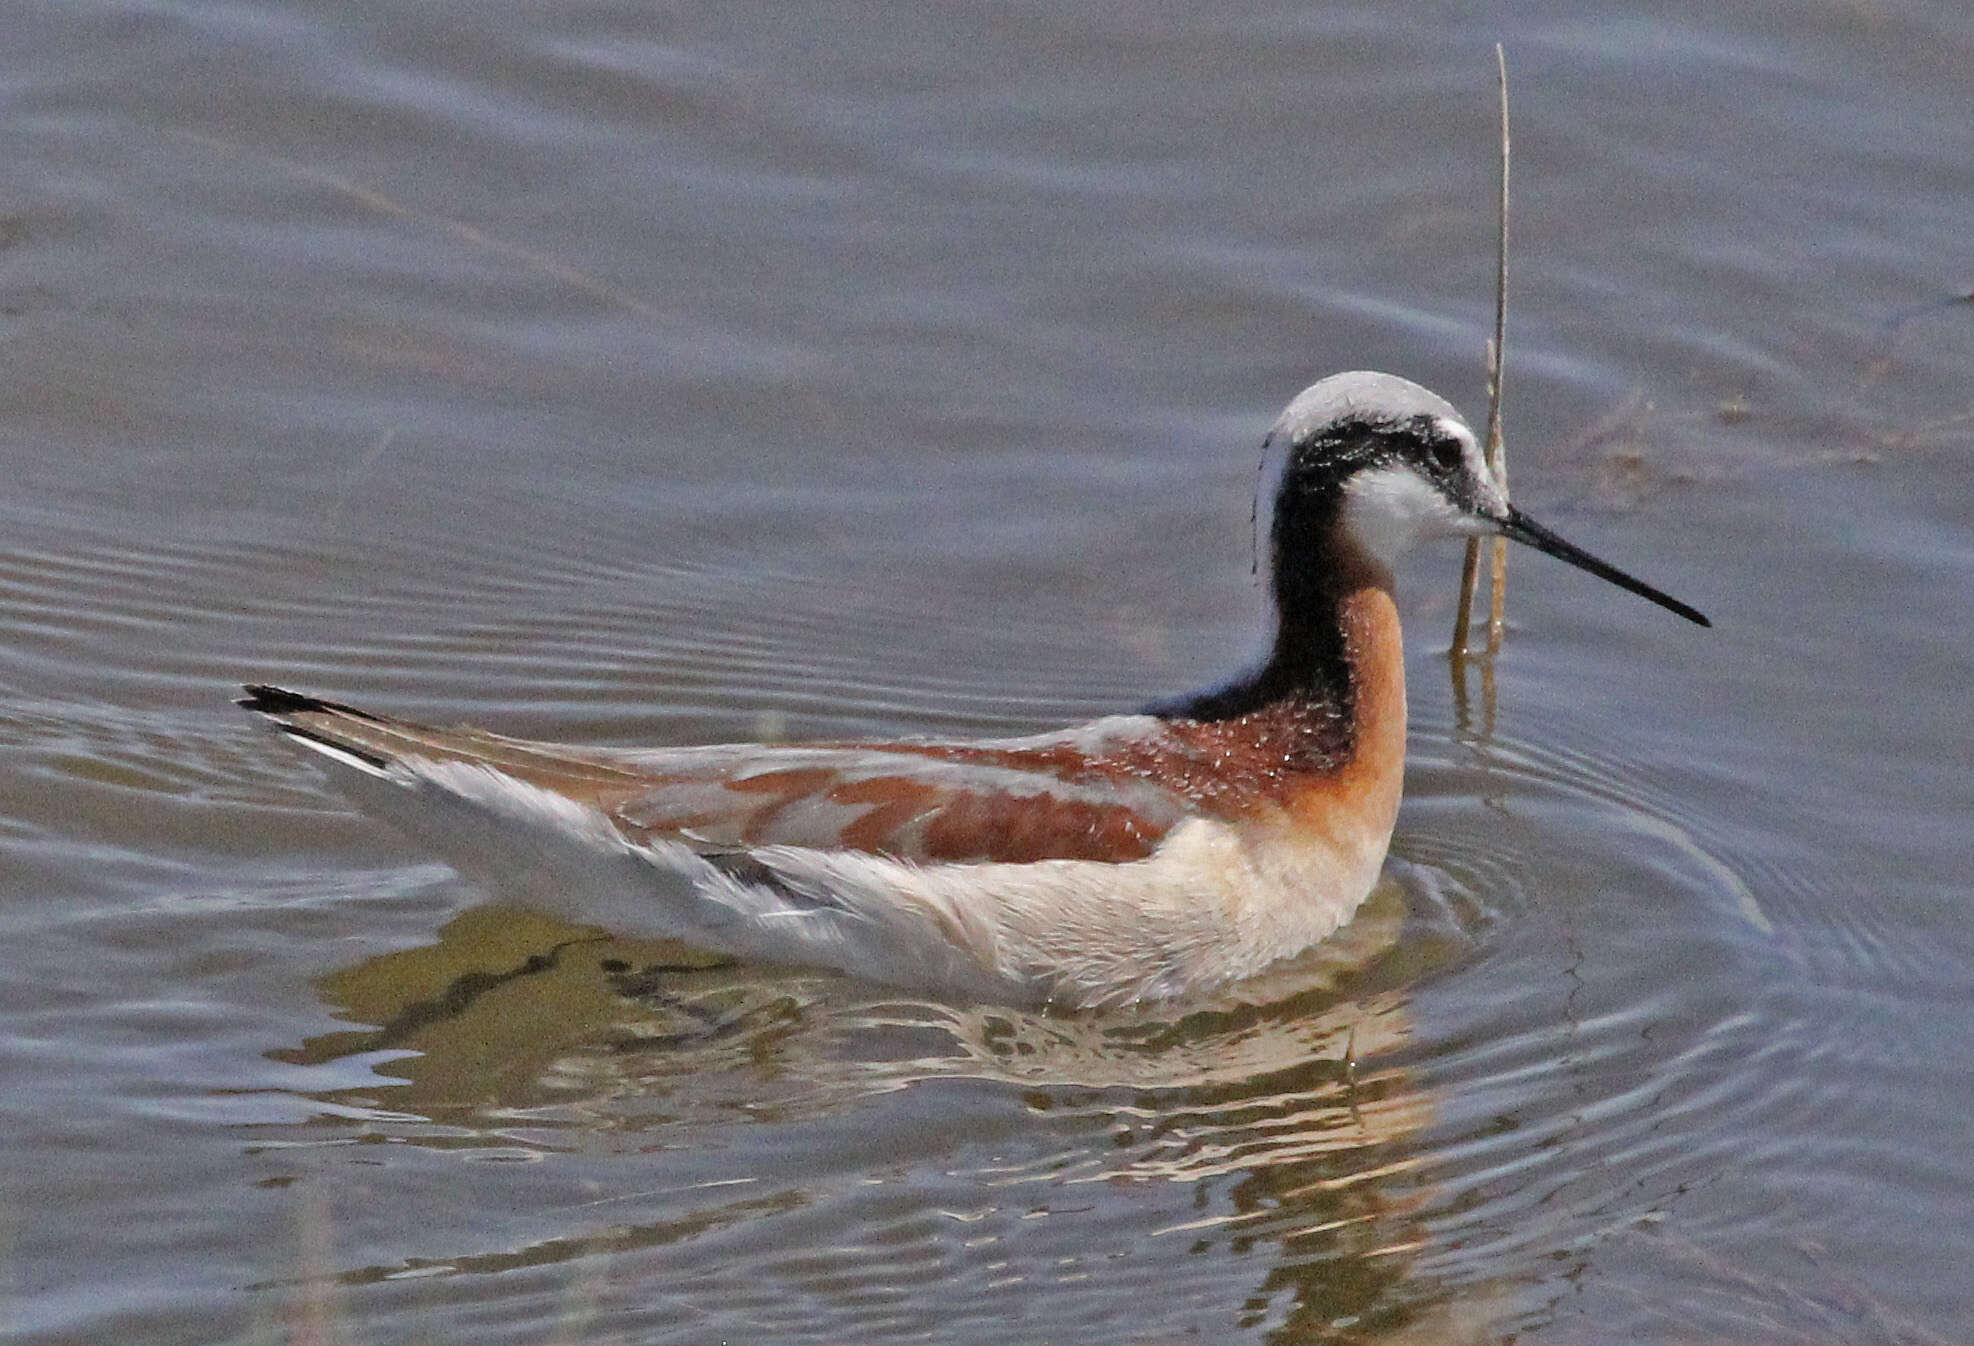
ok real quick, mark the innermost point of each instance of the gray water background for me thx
(633, 374)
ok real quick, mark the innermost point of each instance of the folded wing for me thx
(1076, 795)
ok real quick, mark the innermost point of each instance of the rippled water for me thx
(631, 375)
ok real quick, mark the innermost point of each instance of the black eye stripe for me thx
(1429, 444)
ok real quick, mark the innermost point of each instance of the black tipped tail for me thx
(278, 701)
(269, 700)
(281, 705)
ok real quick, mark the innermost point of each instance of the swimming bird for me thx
(1135, 857)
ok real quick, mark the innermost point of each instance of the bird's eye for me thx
(1447, 454)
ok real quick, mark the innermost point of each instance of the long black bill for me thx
(1524, 529)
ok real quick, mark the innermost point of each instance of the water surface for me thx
(624, 375)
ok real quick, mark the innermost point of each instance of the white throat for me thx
(1386, 510)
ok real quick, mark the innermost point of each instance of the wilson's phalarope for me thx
(1133, 857)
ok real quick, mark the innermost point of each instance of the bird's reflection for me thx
(1275, 1113)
